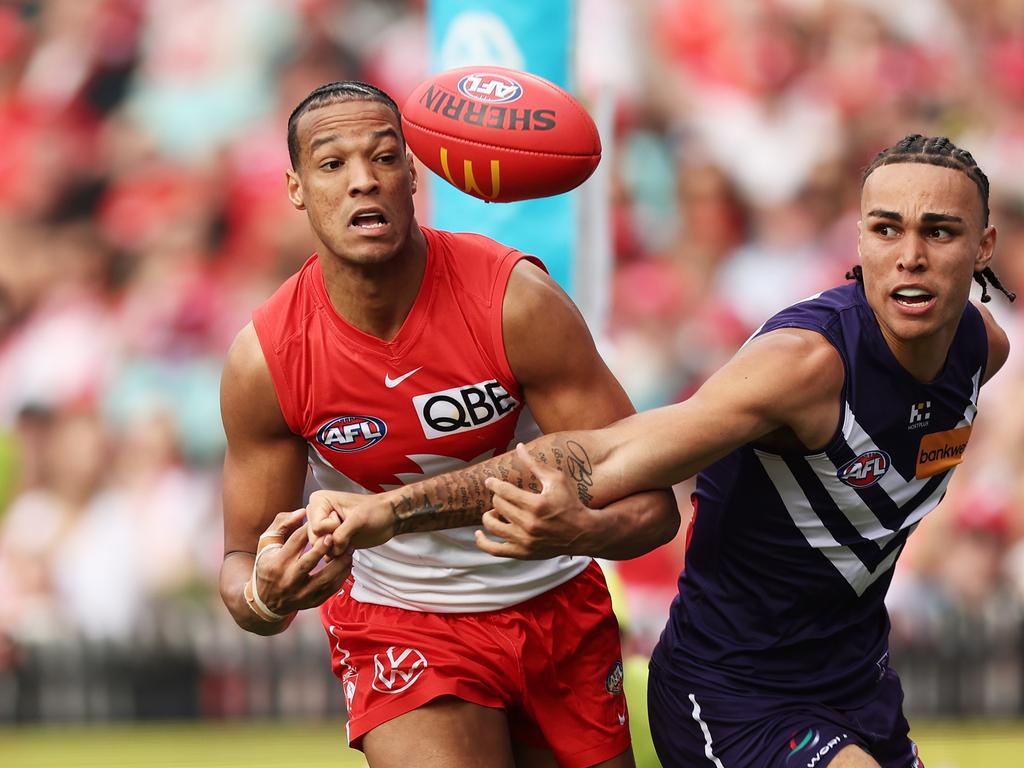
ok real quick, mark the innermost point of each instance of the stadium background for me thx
(143, 216)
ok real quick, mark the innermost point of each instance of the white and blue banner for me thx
(530, 35)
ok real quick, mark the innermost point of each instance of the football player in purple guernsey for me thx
(820, 446)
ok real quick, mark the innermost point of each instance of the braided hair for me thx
(330, 93)
(938, 150)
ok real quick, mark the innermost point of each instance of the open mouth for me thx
(369, 221)
(912, 297)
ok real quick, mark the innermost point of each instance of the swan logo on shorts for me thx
(489, 88)
(347, 434)
(398, 669)
(865, 470)
(613, 682)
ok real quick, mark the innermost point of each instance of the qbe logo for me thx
(490, 89)
(865, 470)
(346, 434)
(461, 409)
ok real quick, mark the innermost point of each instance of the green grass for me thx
(943, 744)
(976, 744)
(185, 745)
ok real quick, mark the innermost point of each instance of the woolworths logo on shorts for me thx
(940, 451)
(808, 750)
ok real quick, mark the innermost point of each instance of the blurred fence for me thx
(191, 666)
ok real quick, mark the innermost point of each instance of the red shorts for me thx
(553, 663)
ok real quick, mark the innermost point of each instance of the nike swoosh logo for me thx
(392, 383)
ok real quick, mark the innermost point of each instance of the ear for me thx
(986, 248)
(412, 169)
(860, 235)
(294, 189)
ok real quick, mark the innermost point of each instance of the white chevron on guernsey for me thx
(899, 489)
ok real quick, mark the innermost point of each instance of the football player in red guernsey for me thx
(395, 353)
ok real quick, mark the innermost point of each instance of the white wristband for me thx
(255, 579)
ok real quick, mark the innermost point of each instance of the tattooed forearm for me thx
(461, 498)
(447, 501)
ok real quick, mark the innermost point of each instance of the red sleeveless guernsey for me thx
(379, 414)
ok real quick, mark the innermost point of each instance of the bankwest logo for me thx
(398, 669)
(940, 451)
(461, 409)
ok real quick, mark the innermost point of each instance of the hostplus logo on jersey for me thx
(807, 749)
(919, 414)
(865, 470)
(347, 434)
(462, 409)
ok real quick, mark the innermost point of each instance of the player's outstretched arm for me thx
(264, 473)
(566, 385)
(788, 381)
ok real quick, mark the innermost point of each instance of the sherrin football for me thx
(500, 134)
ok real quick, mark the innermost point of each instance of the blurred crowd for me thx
(143, 216)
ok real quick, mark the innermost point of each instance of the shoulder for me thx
(247, 390)
(533, 298)
(793, 366)
(545, 335)
(801, 350)
(819, 312)
(998, 342)
(245, 350)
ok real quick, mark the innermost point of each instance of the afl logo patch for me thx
(346, 434)
(865, 470)
(490, 89)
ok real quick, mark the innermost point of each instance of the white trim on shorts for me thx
(709, 751)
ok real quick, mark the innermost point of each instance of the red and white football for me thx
(500, 134)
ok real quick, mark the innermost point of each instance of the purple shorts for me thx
(695, 727)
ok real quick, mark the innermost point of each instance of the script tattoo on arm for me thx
(580, 471)
(460, 498)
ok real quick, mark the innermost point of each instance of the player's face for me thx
(921, 240)
(355, 180)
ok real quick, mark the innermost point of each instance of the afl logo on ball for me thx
(865, 470)
(490, 89)
(351, 433)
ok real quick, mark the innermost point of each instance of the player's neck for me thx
(923, 358)
(376, 298)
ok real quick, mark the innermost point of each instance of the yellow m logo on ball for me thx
(471, 186)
